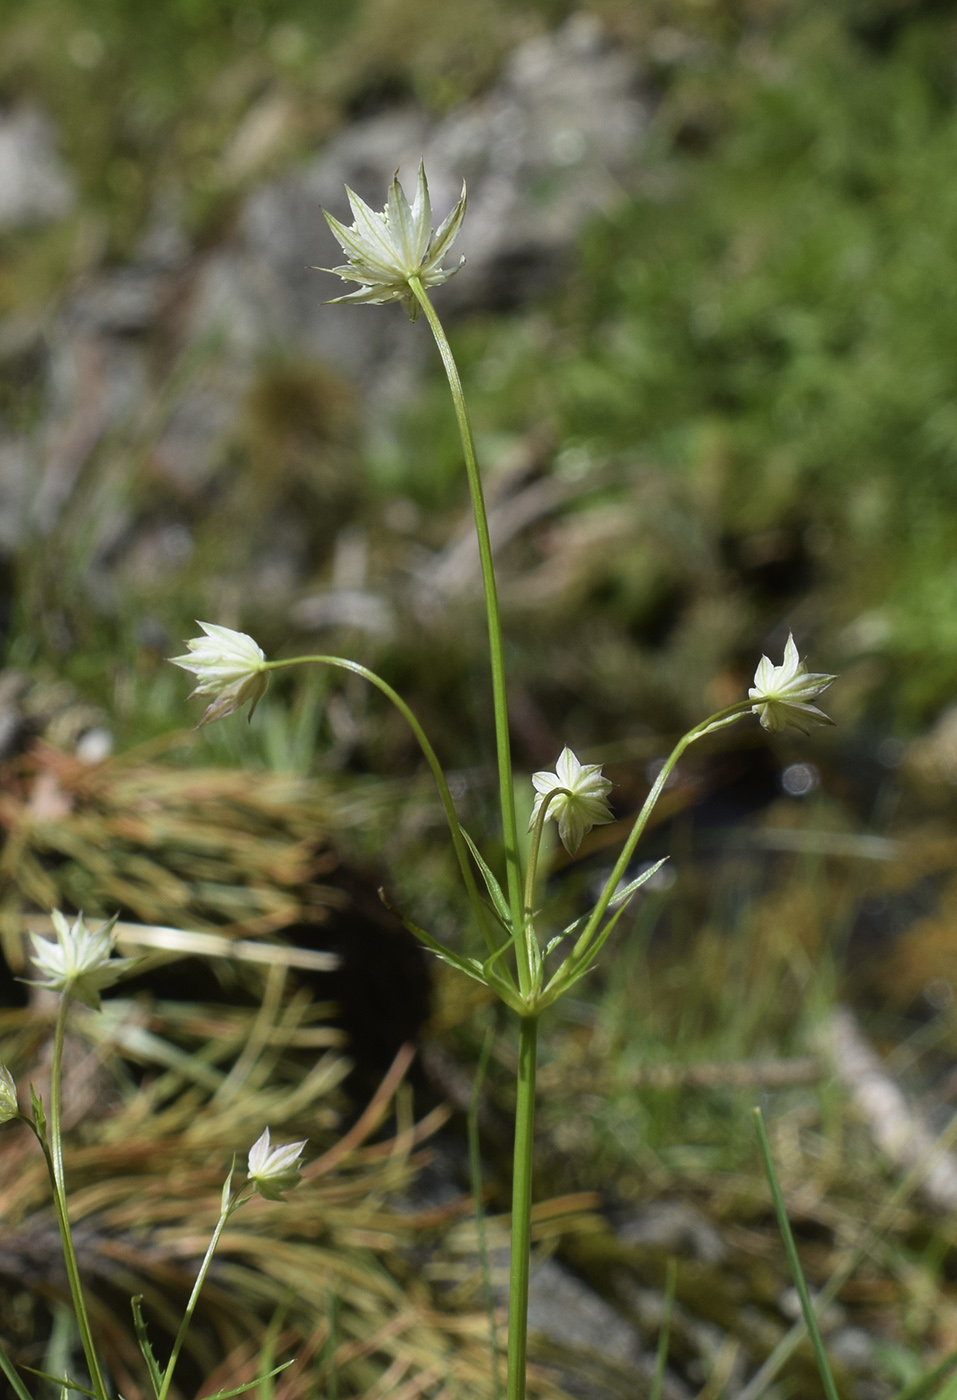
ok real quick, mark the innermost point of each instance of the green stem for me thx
(227, 1210)
(475, 1172)
(532, 951)
(784, 1225)
(708, 726)
(506, 789)
(521, 1209)
(54, 1156)
(343, 664)
(531, 874)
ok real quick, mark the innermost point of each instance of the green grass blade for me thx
(949, 1391)
(784, 1225)
(267, 1351)
(9, 1370)
(921, 1388)
(63, 1382)
(661, 1360)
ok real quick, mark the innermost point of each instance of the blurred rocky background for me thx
(708, 330)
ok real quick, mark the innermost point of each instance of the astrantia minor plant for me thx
(78, 965)
(395, 256)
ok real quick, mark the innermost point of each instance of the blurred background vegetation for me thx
(731, 412)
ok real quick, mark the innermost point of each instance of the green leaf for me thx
(499, 902)
(9, 1370)
(661, 1361)
(470, 966)
(248, 1385)
(614, 902)
(156, 1375)
(61, 1381)
(642, 879)
(920, 1388)
(574, 968)
(797, 1273)
(39, 1117)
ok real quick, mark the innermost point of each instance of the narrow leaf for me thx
(499, 901)
(39, 1117)
(642, 879)
(241, 1389)
(661, 1361)
(156, 1375)
(921, 1387)
(469, 966)
(9, 1370)
(61, 1381)
(790, 1249)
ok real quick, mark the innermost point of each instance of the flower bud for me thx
(9, 1107)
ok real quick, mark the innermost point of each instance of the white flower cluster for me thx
(227, 664)
(273, 1170)
(781, 694)
(386, 249)
(80, 961)
(577, 798)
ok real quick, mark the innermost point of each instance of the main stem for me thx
(60, 1203)
(521, 1208)
(506, 790)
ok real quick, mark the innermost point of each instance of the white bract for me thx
(80, 961)
(781, 694)
(8, 1096)
(580, 801)
(386, 249)
(227, 664)
(273, 1170)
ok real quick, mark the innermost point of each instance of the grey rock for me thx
(564, 1309)
(35, 187)
(126, 301)
(550, 146)
(852, 1348)
(676, 1227)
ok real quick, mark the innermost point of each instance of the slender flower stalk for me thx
(496, 647)
(228, 1206)
(54, 1155)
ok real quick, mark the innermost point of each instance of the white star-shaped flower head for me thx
(227, 664)
(386, 249)
(80, 961)
(273, 1170)
(781, 694)
(9, 1108)
(580, 801)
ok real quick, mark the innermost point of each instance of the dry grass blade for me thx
(205, 850)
